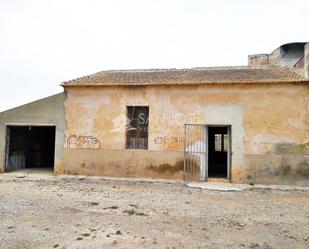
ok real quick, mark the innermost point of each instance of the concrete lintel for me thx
(28, 124)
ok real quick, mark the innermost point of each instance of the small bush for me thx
(134, 212)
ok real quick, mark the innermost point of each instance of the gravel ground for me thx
(95, 213)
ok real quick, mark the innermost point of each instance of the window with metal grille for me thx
(137, 128)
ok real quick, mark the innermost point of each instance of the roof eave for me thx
(181, 83)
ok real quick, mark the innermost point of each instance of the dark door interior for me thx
(218, 142)
(30, 147)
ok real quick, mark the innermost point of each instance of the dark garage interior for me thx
(30, 147)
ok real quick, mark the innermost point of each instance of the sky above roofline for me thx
(44, 43)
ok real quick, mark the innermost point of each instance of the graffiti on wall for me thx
(168, 139)
(83, 142)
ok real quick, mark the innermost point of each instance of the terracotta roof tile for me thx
(247, 74)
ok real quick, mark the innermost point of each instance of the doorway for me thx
(218, 147)
(30, 147)
(207, 152)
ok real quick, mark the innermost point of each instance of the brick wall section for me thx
(300, 64)
(258, 59)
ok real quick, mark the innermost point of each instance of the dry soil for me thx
(96, 213)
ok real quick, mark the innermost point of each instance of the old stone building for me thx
(239, 124)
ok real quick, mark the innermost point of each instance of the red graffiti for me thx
(168, 139)
(83, 142)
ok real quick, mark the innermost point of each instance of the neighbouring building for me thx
(241, 124)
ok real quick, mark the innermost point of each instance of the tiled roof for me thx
(246, 74)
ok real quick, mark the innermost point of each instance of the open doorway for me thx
(218, 151)
(207, 152)
(30, 147)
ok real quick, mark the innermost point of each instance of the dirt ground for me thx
(97, 213)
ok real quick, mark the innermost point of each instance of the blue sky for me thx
(45, 42)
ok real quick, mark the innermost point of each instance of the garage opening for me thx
(30, 147)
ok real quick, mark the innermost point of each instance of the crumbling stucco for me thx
(261, 116)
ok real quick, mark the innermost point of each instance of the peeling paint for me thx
(262, 117)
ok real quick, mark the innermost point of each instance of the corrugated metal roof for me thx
(246, 74)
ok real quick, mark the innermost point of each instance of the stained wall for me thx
(263, 118)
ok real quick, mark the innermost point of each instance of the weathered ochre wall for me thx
(262, 118)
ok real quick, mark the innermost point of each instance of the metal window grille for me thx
(137, 128)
